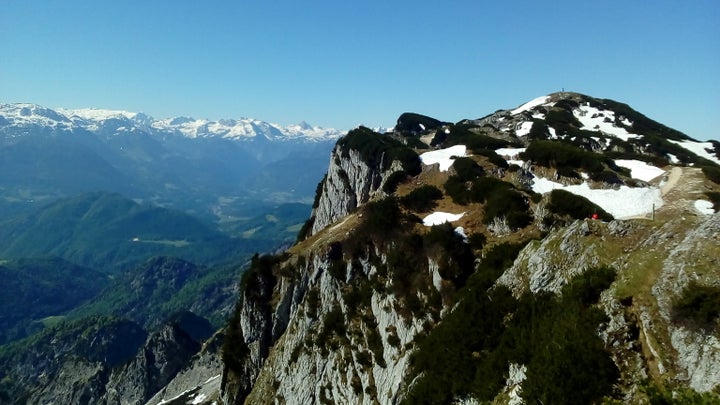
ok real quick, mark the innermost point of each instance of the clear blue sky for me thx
(343, 63)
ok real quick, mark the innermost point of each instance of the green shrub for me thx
(558, 155)
(568, 172)
(422, 199)
(606, 176)
(364, 358)
(559, 118)
(376, 347)
(376, 148)
(660, 395)
(462, 134)
(566, 203)
(312, 302)
(493, 157)
(712, 173)
(511, 205)
(699, 304)
(586, 289)
(555, 337)
(440, 137)
(258, 281)
(305, 230)
(457, 190)
(539, 130)
(333, 325)
(415, 143)
(393, 181)
(477, 241)
(475, 325)
(234, 349)
(466, 168)
(379, 216)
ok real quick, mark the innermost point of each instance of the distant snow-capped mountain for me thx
(117, 121)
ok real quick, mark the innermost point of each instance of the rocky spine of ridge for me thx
(330, 319)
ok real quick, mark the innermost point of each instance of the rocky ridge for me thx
(329, 320)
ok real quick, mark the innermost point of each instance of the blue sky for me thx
(342, 63)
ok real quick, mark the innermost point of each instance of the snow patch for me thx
(640, 170)
(511, 155)
(443, 157)
(439, 218)
(553, 135)
(524, 128)
(625, 202)
(673, 159)
(530, 104)
(594, 119)
(461, 231)
(699, 148)
(704, 207)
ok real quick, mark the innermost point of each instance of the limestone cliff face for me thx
(350, 182)
(296, 355)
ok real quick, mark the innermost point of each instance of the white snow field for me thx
(439, 218)
(625, 202)
(594, 119)
(530, 104)
(699, 148)
(640, 170)
(443, 157)
(524, 129)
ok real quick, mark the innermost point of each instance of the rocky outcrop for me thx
(164, 354)
(102, 361)
(302, 362)
(201, 376)
(350, 182)
(654, 265)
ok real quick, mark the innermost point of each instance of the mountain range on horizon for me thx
(92, 119)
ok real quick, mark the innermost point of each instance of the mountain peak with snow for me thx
(119, 121)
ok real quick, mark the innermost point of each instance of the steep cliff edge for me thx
(362, 166)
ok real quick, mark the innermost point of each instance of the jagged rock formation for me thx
(353, 178)
(103, 361)
(202, 376)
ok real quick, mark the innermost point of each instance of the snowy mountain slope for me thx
(600, 124)
(93, 120)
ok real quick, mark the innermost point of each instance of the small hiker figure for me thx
(595, 216)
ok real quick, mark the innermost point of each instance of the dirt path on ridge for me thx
(672, 180)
